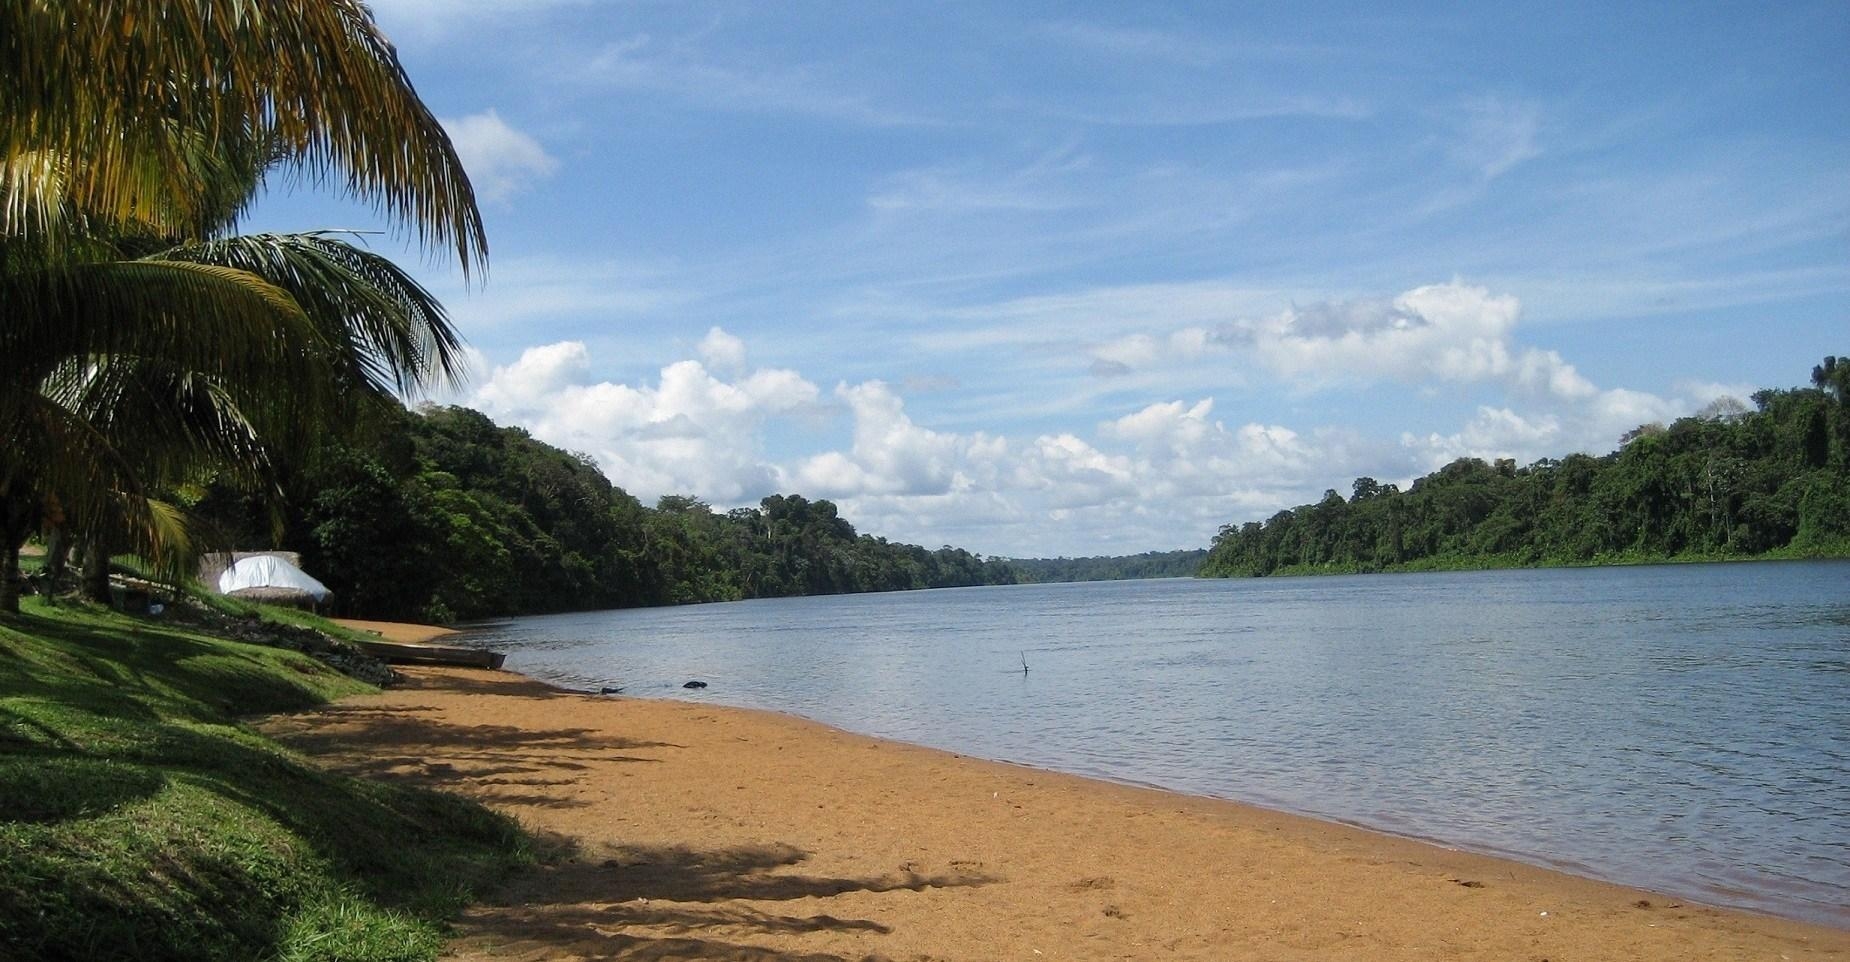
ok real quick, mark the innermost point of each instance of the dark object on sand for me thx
(695, 684)
(610, 691)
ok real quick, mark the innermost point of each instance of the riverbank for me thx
(140, 817)
(695, 831)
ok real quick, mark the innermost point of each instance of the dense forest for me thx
(442, 515)
(1150, 564)
(1732, 481)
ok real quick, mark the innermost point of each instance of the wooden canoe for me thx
(426, 654)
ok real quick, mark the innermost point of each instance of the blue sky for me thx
(1069, 279)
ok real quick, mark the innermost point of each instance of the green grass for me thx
(139, 819)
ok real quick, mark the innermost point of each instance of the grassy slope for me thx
(140, 820)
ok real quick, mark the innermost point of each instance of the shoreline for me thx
(1543, 863)
(710, 830)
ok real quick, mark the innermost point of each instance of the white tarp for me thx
(268, 571)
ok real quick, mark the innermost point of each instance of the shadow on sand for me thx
(679, 903)
(664, 903)
(490, 761)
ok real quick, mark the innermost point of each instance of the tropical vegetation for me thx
(144, 343)
(1730, 482)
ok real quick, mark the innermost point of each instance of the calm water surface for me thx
(1681, 728)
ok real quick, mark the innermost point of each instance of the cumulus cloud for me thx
(1168, 474)
(722, 351)
(891, 455)
(1453, 332)
(689, 432)
(1589, 424)
(501, 161)
(1444, 332)
(1493, 434)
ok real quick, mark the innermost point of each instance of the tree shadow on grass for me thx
(139, 669)
(50, 786)
(77, 881)
(679, 903)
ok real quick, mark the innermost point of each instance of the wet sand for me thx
(691, 831)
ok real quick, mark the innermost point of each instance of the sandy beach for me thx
(399, 631)
(692, 831)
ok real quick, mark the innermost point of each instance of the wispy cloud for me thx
(428, 20)
(501, 160)
(558, 290)
(1174, 47)
(1494, 135)
(682, 69)
(1198, 111)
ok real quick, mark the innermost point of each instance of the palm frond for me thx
(114, 85)
(202, 317)
(391, 332)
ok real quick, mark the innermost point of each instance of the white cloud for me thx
(1493, 434)
(501, 161)
(892, 455)
(690, 432)
(1447, 332)
(1450, 333)
(722, 352)
(1170, 427)
(1167, 474)
(1588, 424)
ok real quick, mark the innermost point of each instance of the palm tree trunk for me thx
(96, 571)
(15, 524)
(57, 558)
(10, 579)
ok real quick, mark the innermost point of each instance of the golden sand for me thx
(399, 631)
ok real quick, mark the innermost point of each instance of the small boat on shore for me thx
(421, 653)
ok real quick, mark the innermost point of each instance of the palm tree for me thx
(131, 134)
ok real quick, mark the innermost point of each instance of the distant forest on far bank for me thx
(1729, 482)
(1151, 564)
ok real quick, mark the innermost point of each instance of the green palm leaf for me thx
(126, 89)
(394, 335)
